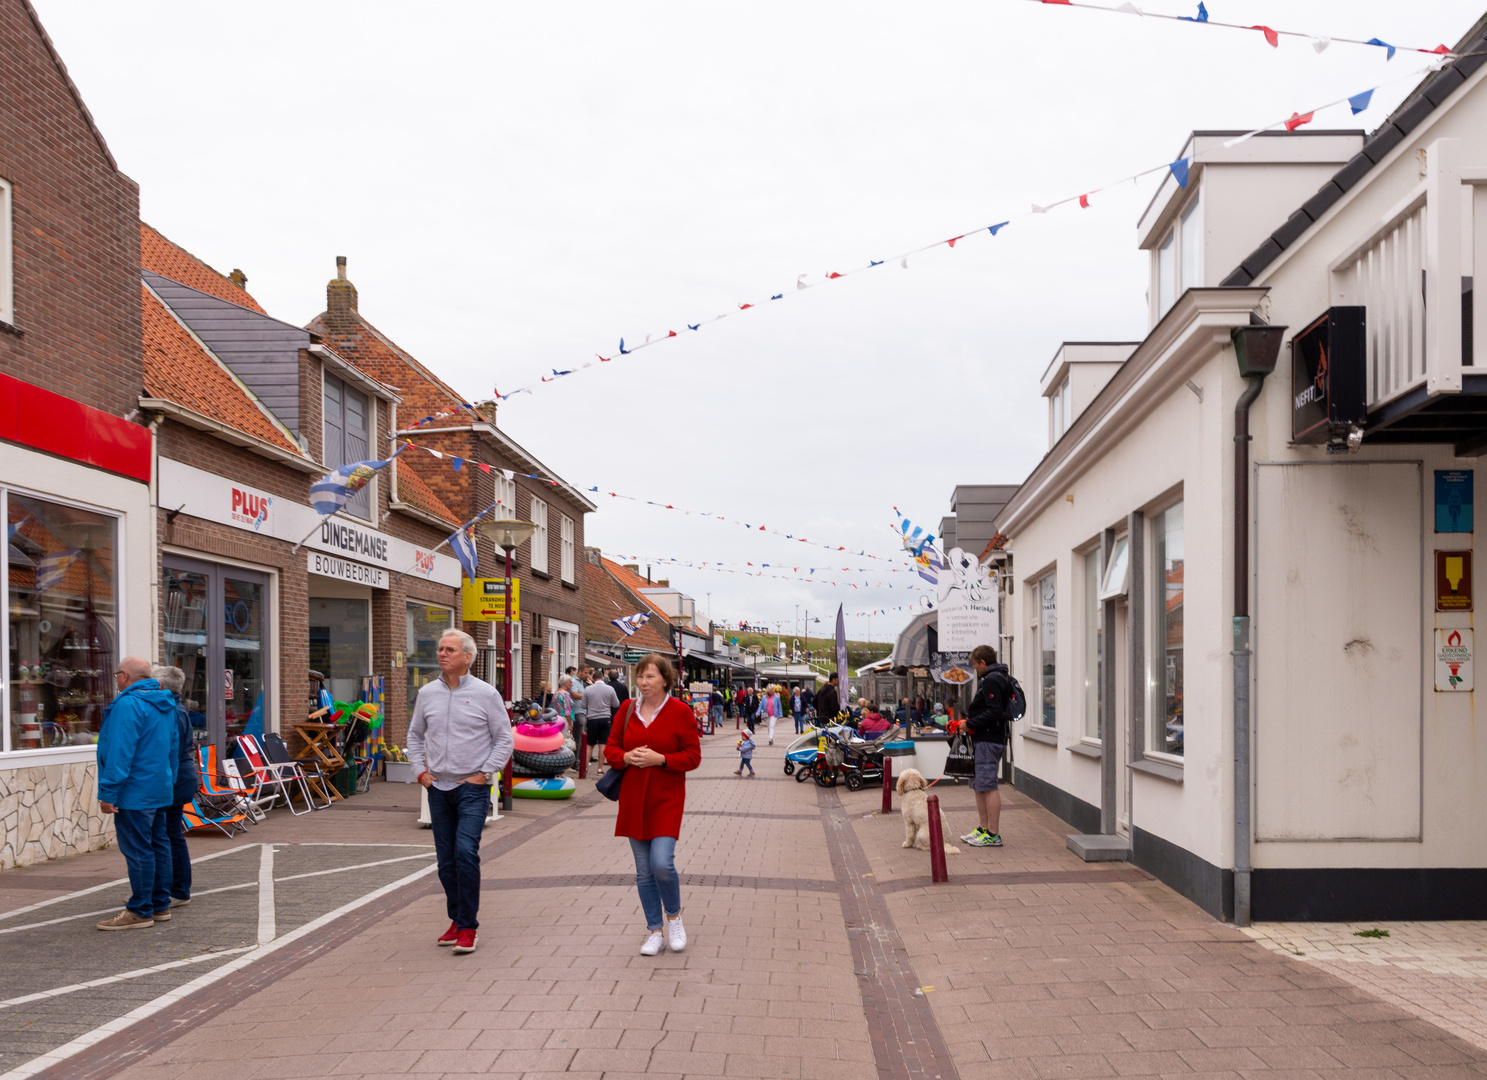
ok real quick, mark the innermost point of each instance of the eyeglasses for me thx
(121, 671)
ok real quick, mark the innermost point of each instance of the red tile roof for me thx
(178, 369)
(413, 491)
(604, 599)
(160, 256)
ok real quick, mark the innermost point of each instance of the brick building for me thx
(75, 469)
(252, 411)
(473, 465)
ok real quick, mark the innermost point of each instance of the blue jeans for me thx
(746, 761)
(656, 878)
(180, 855)
(457, 819)
(146, 851)
(799, 723)
(717, 714)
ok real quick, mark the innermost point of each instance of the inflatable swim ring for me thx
(561, 788)
(538, 744)
(539, 730)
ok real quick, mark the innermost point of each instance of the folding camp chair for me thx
(222, 792)
(276, 776)
(278, 753)
(195, 818)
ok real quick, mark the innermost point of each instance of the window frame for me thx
(7, 252)
(537, 555)
(1167, 275)
(59, 754)
(1189, 276)
(1092, 647)
(1156, 648)
(567, 558)
(353, 507)
(1039, 623)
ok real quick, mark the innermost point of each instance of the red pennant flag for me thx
(484, 467)
(1065, 2)
(832, 275)
(604, 359)
(952, 240)
(1084, 202)
(763, 528)
(1297, 119)
(1271, 37)
(671, 333)
(1441, 50)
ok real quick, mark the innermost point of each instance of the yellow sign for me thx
(485, 599)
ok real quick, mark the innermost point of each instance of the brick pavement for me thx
(818, 950)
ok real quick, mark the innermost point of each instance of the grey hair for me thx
(170, 678)
(565, 682)
(467, 643)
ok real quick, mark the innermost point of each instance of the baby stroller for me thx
(800, 755)
(857, 761)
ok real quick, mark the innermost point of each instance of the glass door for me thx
(216, 631)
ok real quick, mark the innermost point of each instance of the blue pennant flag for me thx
(778, 296)
(1359, 102)
(1180, 170)
(462, 543)
(623, 351)
(1382, 45)
(458, 463)
(994, 229)
(628, 624)
(1202, 15)
(335, 488)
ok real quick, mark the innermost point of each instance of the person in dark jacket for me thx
(137, 754)
(188, 779)
(827, 702)
(621, 691)
(986, 718)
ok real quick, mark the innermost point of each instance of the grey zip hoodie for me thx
(457, 733)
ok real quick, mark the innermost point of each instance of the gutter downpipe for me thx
(1241, 652)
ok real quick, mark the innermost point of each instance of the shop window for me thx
(348, 436)
(1045, 633)
(568, 554)
(340, 644)
(7, 256)
(1167, 733)
(1094, 643)
(1191, 254)
(425, 623)
(538, 554)
(63, 622)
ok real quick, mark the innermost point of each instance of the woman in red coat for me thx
(656, 743)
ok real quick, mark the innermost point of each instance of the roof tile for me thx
(417, 494)
(605, 599)
(159, 255)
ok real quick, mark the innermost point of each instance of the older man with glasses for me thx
(137, 751)
(458, 737)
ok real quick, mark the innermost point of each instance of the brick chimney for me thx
(238, 278)
(340, 294)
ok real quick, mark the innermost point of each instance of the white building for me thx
(1359, 773)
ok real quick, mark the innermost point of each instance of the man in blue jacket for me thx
(137, 752)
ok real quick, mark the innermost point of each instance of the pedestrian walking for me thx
(715, 706)
(808, 699)
(751, 709)
(458, 738)
(827, 702)
(797, 709)
(600, 702)
(188, 779)
(137, 753)
(745, 748)
(769, 709)
(657, 746)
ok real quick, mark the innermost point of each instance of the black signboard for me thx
(1329, 368)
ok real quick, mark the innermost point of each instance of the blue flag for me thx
(332, 491)
(462, 543)
(1359, 102)
(628, 624)
(53, 567)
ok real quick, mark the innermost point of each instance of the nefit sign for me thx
(1328, 365)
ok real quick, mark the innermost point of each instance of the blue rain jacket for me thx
(138, 748)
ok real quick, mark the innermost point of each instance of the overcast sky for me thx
(518, 186)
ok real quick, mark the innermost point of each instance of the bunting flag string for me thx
(817, 572)
(1318, 42)
(1179, 170)
(441, 414)
(459, 462)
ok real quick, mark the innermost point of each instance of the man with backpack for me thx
(989, 718)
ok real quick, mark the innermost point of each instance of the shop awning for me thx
(913, 645)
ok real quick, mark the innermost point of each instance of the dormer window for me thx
(1180, 259)
(1058, 412)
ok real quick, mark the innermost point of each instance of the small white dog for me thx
(915, 810)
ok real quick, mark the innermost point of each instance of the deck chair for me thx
(223, 791)
(353, 738)
(196, 818)
(276, 776)
(277, 753)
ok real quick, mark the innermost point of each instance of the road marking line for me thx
(105, 885)
(59, 991)
(266, 894)
(165, 1001)
(358, 866)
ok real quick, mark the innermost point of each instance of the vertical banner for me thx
(841, 656)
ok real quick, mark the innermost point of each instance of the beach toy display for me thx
(545, 764)
(538, 738)
(561, 787)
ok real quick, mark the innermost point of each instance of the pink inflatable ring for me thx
(538, 744)
(540, 730)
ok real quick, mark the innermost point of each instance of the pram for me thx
(801, 754)
(857, 761)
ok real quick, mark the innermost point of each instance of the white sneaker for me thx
(966, 839)
(652, 944)
(676, 934)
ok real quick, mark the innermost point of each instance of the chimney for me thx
(238, 278)
(665, 583)
(634, 568)
(340, 294)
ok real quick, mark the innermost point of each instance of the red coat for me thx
(651, 800)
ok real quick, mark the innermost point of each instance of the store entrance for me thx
(216, 631)
(341, 636)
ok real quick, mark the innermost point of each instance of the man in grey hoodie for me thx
(458, 738)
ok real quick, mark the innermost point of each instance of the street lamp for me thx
(508, 536)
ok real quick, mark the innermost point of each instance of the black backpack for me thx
(1014, 701)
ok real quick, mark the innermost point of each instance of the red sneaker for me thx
(450, 936)
(466, 941)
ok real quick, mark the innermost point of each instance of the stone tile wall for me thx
(50, 811)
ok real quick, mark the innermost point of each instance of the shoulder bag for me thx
(609, 783)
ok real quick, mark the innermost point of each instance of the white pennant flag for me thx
(1039, 209)
(1320, 43)
(800, 282)
(508, 474)
(1130, 9)
(905, 263)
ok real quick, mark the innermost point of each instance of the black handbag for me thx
(962, 758)
(609, 783)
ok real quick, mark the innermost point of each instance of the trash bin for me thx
(345, 780)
